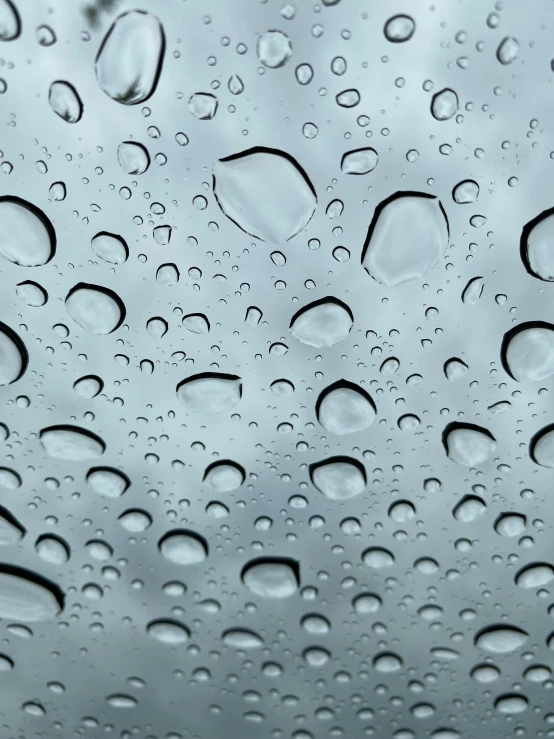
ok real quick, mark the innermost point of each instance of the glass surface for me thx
(276, 367)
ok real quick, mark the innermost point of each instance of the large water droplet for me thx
(203, 105)
(444, 104)
(407, 237)
(377, 557)
(130, 58)
(135, 520)
(541, 448)
(52, 549)
(196, 323)
(168, 631)
(510, 524)
(322, 323)
(469, 509)
(13, 356)
(537, 246)
(508, 50)
(71, 443)
(118, 700)
(272, 578)
(110, 248)
(27, 237)
(338, 478)
(387, 662)
(274, 49)
(535, 575)
(454, 369)
(485, 673)
(528, 351)
(366, 603)
(95, 308)
(108, 481)
(473, 291)
(31, 293)
(133, 158)
(264, 192)
(359, 161)
(65, 101)
(26, 596)
(241, 639)
(210, 392)
(467, 444)
(399, 28)
(500, 639)
(183, 547)
(224, 476)
(344, 408)
(10, 25)
(511, 703)
(88, 387)
(466, 191)
(9, 479)
(11, 530)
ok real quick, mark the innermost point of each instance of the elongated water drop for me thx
(210, 392)
(71, 443)
(344, 408)
(65, 101)
(271, 577)
(26, 596)
(168, 631)
(27, 237)
(13, 356)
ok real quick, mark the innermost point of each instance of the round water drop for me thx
(133, 158)
(71, 443)
(406, 238)
(402, 511)
(65, 101)
(316, 656)
(485, 673)
(541, 448)
(196, 323)
(387, 662)
(366, 603)
(408, 422)
(52, 549)
(377, 557)
(537, 246)
(10, 25)
(467, 444)
(282, 388)
(32, 294)
(344, 408)
(510, 524)
(135, 520)
(534, 576)
(110, 247)
(88, 387)
(528, 352)
(210, 392)
(108, 481)
(183, 547)
(469, 509)
(444, 104)
(168, 631)
(130, 58)
(348, 98)
(304, 74)
(58, 191)
(95, 308)
(500, 639)
(508, 50)
(537, 673)
(27, 237)
(224, 476)
(203, 105)
(323, 323)
(167, 275)
(26, 596)
(399, 28)
(274, 49)
(265, 193)
(338, 478)
(241, 639)
(271, 578)
(13, 356)
(359, 161)
(454, 369)
(466, 191)
(473, 291)
(511, 703)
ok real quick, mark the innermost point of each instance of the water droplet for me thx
(95, 308)
(537, 246)
(454, 369)
(377, 557)
(135, 520)
(71, 443)
(485, 673)
(224, 476)
(508, 50)
(359, 161)
(338, 478)
(52, 549)
(241, 639)
(6, 663)
(344, 408)
(408, 422)
(196, 323)
(469, 509)
(322, 323)
(210, 392)
(45, 35)
(402, 511)
(348, 98)
(162, 235)
(117, 700)
(130, 58)
(108, 481)
(271, 578)
(58, 191)
(203, 105)
(511, 703)
(541, 448)
(537, 673)
(467, 444)
(264, 192)
(399, 28)
(444, 104)
(133, 158)
(407, 237)
(315, 624)
(235, 85)
(510, 524)
(282, 387)
(168, 631)
(33, 708)
(366, 603)
(88, 387)
(31, 293)
(110, 247)
(387, 662)
(167, 275)
(534, 576)
(304, 74)
(65, 101)
(10, 25)
(183, 547)
(473, 291)
(13, 356)
(466, 191)
(316, 656)
(528, 352)
(26, 596)
(27, 237)
(274, 49)
(500, 639)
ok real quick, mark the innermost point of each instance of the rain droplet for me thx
(241, 639)
(71, 443)
(348, 98)
(469, 509)
(304, 74)
(65, 101)
(31, 293)
(473, 291)
(52, 549)
(13, 356)
(500, 639)
(110, 247)
(467, 444)
(274, 49)
(454, 369)
(235, 85)
(271, 578)
(167, 275)
(168, 631)
(366, 603)
(344, 408)
(95, 308)
(135, 520)
(541, 448)
(27, 237)
(322, 323)
(387, 662)
(485, 673)
(338, 478)
(466, 191)
(508, 50)
(511, 703)
(399, 28)
(45, 35)
(88, 387)
(210, 392)
(510, 524)
(444, 104)
(203, 105)
(359, 161)
(377, 557)
(118, 700)
(133, 158)
(183, 547)
(534, 576)
(10, 25)
(108, 481)
(537, 246)
(196, 323)
(528, 352)
(26, 596)
(224, 476)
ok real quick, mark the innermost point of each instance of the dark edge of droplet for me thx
(99, 380)
(113, 236)
(494, 627)
(335, 460)
(211, 376)
(77, 97)
(105, 291)
(36, 579)
(524, 241)
(456, 425)
(60, 541)
(536, 438)
(22, 349)
(12, 520)
(74, 430)
(293, 564)
(185, 532)
(113, 471)
(43, 218)
(347, 385)
(317, 303)
(227, 463)
(509, 335)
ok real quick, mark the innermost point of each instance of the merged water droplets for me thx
(344, 408)
(528, 352)
(322, 323)
(271, 578)
(274, 49)
(96, 309)
(27, 237)
(65, 101)
(183, 547)
(265, 193)
(407, 237)
(130, 58)
(338, 478)
(467, 444)
(210, 392)
(26, 596)
(71, 443)
(359, 161)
